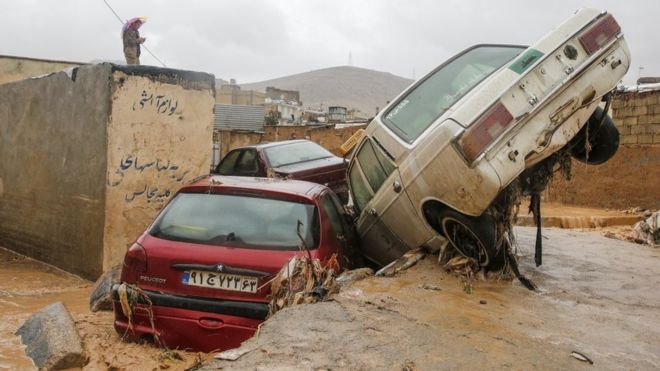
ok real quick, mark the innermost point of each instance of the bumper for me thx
(190, 323)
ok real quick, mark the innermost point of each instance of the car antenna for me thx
(303, 244)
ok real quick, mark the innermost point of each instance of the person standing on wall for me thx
(132, 39)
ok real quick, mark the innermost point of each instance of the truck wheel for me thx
(603, 140)
(472, 237)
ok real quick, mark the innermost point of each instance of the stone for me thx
(51, 339)
(101, 296)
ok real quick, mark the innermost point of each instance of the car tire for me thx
(472, 237)
(603, 140)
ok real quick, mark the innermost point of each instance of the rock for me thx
(51, 339)
(101, 297)
(648, 230)
(351, 276)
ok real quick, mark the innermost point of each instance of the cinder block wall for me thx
(637, 115)
(87, 160)
(632, 177)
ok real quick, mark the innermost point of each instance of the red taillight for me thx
(599, 34)
(136, 258)
(487, 128)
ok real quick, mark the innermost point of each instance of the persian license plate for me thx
(223, 281)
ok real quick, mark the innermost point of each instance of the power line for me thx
(124, 22)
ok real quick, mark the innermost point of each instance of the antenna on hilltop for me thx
(350, 59)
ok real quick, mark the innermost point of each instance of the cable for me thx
(124, 22)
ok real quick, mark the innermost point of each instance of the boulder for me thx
(51, 339)
(101, 297)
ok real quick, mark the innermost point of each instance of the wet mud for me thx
(596, 296)
(26, 286)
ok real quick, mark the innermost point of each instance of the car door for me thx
(383, 208)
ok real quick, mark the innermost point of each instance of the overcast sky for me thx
(258, 40)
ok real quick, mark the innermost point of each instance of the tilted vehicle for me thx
(206, 261)
(433, 161)
(293, 159)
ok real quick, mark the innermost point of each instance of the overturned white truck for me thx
(432, 165)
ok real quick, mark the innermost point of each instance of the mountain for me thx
(347, 86)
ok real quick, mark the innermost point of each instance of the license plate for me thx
(223, 281)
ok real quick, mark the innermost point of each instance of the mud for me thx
(597, 296)
(27, 286)
(571, 217)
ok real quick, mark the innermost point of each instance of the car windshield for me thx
(237, 221)
(292, 153)
(418, 109)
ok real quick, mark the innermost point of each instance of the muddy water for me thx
(25, 287)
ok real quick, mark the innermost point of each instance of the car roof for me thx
(263, 145)
(274, 186)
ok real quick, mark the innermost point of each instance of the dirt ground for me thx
(26, 286)
(597, 296)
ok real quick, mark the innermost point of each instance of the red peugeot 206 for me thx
(206, 261)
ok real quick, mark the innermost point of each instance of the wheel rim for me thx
(465, 241)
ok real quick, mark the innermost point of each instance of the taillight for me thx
(484, 131)
(599, 33)
(136, 258)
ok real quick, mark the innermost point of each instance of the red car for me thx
(293, 159)
(206, 261)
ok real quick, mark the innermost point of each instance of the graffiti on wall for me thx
(166, 170)
(161, 103)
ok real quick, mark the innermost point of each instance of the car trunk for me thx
(329, 171)
(207, 271)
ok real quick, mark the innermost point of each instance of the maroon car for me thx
(206, 261)
(292, 159)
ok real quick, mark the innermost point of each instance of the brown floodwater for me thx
(25, 287)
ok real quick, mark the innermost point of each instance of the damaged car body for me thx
(199, 277)
(433, 164)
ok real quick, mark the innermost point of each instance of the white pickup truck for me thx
(432, 162)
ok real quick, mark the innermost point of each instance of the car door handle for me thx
(396, 186)
(373, 212)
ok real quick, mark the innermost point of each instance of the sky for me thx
(252, 40)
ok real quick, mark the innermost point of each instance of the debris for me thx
(648, 230)
(404, 262)
(301, 281)
(351, 276)
(101, 297)
(465, 268)
(427, 286)
(581, 357)
(409, 366)
(51, 339)
(482, 301)
(234, 354)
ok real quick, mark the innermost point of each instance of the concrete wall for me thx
(52, 168)
(637, 115)
(327, 136)
(86, 163)
(19, 68)
(159, 137)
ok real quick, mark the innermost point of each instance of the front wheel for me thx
(472, 237)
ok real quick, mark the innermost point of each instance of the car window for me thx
(333, 214)
(226, 166)
(296, 152)
(238, 221)
(247, 163)
(418, 109)
(375, 166)
(359, 189)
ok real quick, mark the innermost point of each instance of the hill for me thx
(347, 86)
